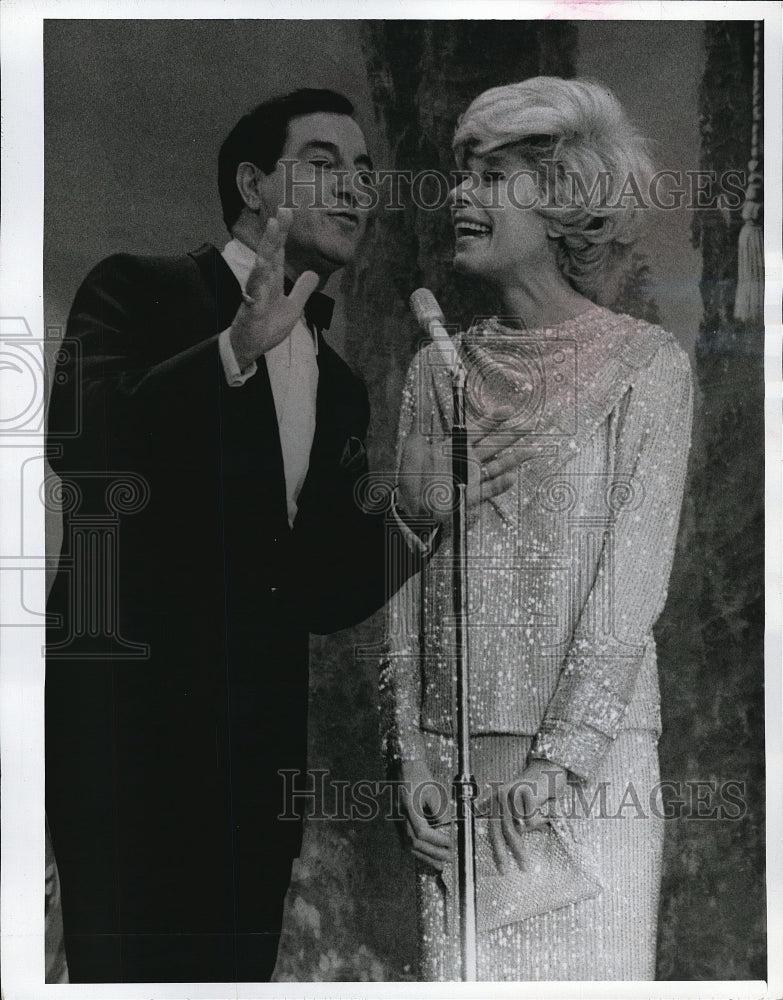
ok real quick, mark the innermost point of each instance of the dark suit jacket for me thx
(162, 772)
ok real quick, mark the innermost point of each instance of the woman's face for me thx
(499, 235)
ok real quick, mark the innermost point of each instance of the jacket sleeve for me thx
(400, 671)
(598, 674)
(114, 380)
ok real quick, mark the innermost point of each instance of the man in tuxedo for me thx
(209, 525)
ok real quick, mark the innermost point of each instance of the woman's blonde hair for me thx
(592, 165)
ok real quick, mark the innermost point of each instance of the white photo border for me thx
(22, 669)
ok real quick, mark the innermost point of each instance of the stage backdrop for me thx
(135, 113)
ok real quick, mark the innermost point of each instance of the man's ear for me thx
(248, 176)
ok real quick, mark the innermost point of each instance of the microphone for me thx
(430, 317)
(506, 384)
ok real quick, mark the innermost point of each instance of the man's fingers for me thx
(284, 218)
(272, 240)
(262, 268)
(271, 246)
(272, 243)
(305, 285)
(269, 260)
(270, 252)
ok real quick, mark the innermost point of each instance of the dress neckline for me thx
(495, 324)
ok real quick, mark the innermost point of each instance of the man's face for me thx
(329, 157)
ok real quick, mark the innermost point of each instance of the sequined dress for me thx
(568, 573)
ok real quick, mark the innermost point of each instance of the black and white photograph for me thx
(391, 460)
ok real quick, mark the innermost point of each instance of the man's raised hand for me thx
(265, 323)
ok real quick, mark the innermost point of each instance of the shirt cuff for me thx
(420, 544)
(234, 376)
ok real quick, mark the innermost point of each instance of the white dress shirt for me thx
(293, 374)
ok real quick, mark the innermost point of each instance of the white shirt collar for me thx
(240, 258)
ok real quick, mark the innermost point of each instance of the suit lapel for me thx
(222, 293)
(332, 427)
(327, 407)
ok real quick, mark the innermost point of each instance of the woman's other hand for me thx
(427, 828)
(492, 468)
(526, 803)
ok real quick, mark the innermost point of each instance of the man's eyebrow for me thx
(362, 160)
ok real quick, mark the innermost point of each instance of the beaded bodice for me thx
(568, 570)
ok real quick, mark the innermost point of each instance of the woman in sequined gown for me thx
(568, 569)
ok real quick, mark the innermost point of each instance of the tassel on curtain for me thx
(749, 297)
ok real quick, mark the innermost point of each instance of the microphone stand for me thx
(464, 789)
(464, 786)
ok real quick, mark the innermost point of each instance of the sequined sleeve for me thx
(597, 678)
(400, 672)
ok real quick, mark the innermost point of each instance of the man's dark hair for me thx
(260, 136)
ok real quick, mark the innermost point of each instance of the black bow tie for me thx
(318, 308)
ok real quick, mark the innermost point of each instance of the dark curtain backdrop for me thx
(135, 112)
(711, 635)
